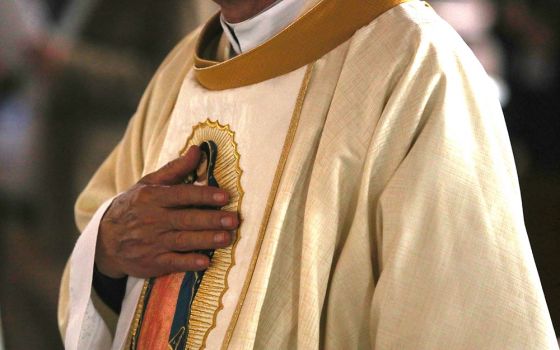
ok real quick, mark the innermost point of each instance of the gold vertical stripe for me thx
(290, 136)
(130, 343)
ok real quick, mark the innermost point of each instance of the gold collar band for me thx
(321, 29)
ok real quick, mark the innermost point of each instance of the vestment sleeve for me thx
(120, 170)
(455, 265)
(84, 321)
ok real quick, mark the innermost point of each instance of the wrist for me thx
(103, 264)
(107, 269)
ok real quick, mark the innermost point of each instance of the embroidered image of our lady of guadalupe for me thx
(177, 311)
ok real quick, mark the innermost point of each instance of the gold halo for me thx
(208, 300)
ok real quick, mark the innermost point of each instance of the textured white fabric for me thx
(398, 224)
(133, 290)
(85, 326)
(246, 35)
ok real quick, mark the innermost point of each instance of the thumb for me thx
(176, 170)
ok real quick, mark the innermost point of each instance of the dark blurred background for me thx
(72, 72)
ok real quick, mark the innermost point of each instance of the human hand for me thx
(153, 228)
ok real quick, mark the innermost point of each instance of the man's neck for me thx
(235, 11)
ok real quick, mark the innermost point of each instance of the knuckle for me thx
(205, 195)
(120, 201)
(179, 262)
(174, 220)
(151, 178)
(204, 240)
(224, 238)
(176, 196)
(188, 262)
(168, 166)
(144, 194)
(174, 262)
(198, 218)
(136, 221)
(134, 196)
(198, 194)
(182, 193)
(212, 219)
(188, 219)
(216, 219)
(149, 218)
(146, 179)
(176, 241)
(180, 241)
(190, 194)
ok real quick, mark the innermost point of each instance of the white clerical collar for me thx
(254, 31)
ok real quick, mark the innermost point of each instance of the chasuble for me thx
(367, 155)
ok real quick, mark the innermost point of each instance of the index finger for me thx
(191, 195)
(176, 170)
(180, 262)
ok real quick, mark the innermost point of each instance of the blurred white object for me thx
(21, 23)
(473, 20)
(25, 23)
(502, 89)
(470, 18)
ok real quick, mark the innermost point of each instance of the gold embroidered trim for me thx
(130, 342)
(208, 300)
(290, 136)
(325, 26)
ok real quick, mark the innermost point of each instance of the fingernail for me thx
(220, 237)
(227, 221)
(200, 262)
(219, 196)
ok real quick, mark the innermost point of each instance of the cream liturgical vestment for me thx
(367, 155)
